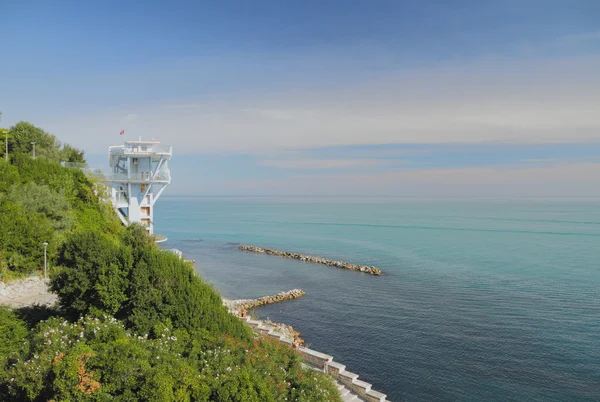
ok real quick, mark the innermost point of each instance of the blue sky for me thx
(320, 97)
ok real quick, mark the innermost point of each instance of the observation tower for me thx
(139, 174)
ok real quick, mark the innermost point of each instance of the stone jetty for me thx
(240, 307)
(317, 260)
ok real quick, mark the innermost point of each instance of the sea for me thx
(481, 299)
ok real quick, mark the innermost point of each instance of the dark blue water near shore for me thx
(483, 300)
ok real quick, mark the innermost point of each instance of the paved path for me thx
(26, 292)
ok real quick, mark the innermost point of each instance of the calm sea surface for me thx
(481, 300)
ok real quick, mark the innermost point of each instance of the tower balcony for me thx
(144, 177)
(140, 150)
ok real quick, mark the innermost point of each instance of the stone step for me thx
(350, 398)
(346, 394)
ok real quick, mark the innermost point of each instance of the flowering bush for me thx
(97, 359)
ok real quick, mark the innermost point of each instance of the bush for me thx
(135, 281)
(93, 274)
(13, 332)
(99, 360)
(41, 199)
(165, 288)
(22, 235)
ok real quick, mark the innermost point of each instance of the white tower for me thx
(139, 175)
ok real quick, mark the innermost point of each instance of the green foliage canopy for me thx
(136, 322)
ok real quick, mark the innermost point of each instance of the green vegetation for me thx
(135, 322)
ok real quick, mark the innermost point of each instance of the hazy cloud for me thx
(539, 160)
(499, 101)
(578, 179)
(577, 39)
(326, 163)
(130, 118)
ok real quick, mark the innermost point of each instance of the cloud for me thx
(184, 106)
(326, 163)
(130, 118)
(577, 39)
(538, 160)
(281, 114)
(576, 179)
(488, 101)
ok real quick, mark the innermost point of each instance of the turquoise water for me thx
(481, 300)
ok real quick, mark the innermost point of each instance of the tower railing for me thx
(161, 176)
(155, 150)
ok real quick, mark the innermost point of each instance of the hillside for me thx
(133, 322)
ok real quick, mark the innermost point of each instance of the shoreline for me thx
(34, 291)
(349, 386)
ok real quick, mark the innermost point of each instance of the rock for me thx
(240, 307)
(317, 260)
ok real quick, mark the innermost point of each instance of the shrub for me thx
(93, 274)
(41, 199)
(22, 235)
(97, 359)
(137, 282)
(12, 332)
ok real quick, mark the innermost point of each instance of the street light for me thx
(33, 143)
(45, 284)
(45, 245)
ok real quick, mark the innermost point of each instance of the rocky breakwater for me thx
(317, 260)
(240, 307)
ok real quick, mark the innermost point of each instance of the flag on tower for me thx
(122, 132)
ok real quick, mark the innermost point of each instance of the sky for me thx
(320, 98)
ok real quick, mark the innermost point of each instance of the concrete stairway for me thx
(347, 396)
(357, 390)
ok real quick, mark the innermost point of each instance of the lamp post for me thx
(45, 285)
(33, 143)
(45, 245)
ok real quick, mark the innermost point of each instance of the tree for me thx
(4, 136)
(24, 133)
(71, 154)
(9, 175)
(41, 199)
(22, 235)
(92, 275)
(12, 332)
